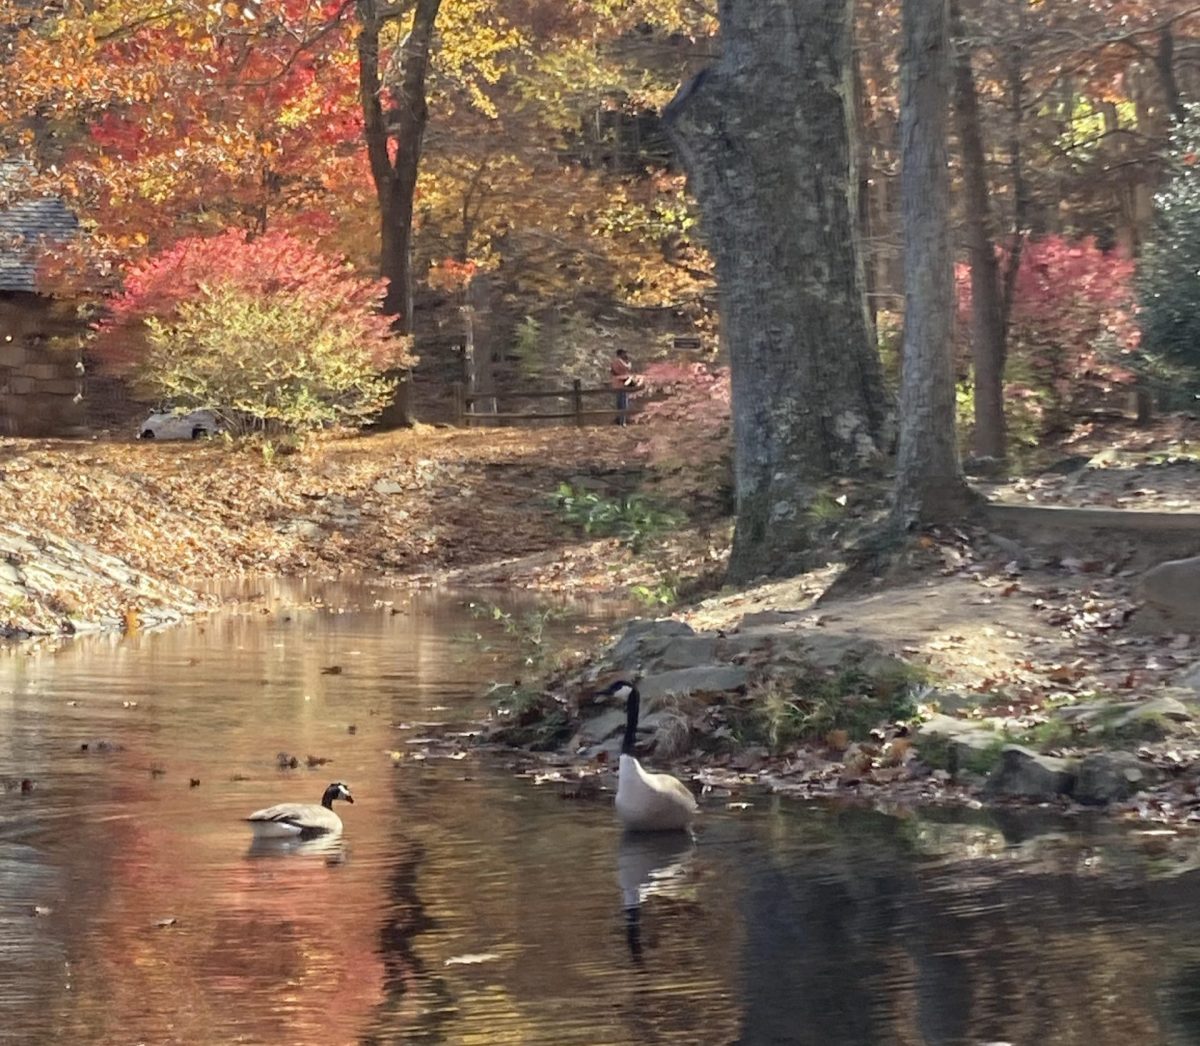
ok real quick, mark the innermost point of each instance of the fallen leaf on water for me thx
(472, 959)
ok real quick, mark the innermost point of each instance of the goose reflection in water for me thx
(650, 865)
(331, 846)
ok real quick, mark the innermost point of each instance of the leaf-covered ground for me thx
(426, 504)
(478, 506)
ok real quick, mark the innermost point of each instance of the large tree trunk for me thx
(394, 170)
(765, 137)
(929, 481)
(988, 349)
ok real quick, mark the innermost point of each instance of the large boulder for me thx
(1156, 718)
(1170, 591)
(969, 744)
(645, 639)
(1025, 773)
(1110, 777)
(700, 679)
(687, 652)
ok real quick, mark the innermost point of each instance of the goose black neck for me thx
(328, 798)
(632, 706)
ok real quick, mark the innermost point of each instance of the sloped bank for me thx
(783, 701)
(55, 586)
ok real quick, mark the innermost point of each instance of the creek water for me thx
(465, 904)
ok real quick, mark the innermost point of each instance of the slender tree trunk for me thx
(766, 138)
(1016, 161)
(394, 138)
(929, 480)
(865, 227)
(1164, 66)
(988, 349)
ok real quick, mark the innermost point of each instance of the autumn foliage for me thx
(264, 266)
(266, 330)
(1072, 332)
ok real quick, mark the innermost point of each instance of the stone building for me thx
(40, 336)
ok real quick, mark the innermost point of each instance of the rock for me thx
(1167, 707)
(306, 529)
(646, 638)
(766, 617)
(1190, 679)
(970, 746)
(600, 727)
(833, 651)
(1108, 777)
(1151, 718)
(1088, 712)
(1023, 772)
(1170, 589)
(609, 751)
(388, 486)
(701, 679)
(949, 700)
(688, 652)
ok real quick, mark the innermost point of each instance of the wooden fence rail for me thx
(464, 403)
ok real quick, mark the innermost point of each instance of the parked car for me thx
(169, 425)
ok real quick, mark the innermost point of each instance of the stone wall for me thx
(40, 388)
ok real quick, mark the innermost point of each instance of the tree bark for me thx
(929, 480)
(766, 138)
(1164, 66)
(988, 348)
(1015, 69)
(394, 167)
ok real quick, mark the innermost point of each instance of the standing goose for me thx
(301, 819)
(646, 802)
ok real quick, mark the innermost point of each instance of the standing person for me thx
(622, 380)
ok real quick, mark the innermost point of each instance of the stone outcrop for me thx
(1170, 592)
(1110, 777)
(51, 585)
(1024, 773)
(676, 666)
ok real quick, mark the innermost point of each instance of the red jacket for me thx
(621, 371)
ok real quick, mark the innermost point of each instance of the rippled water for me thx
(465, 905)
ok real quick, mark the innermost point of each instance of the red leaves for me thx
(265, 265)
(1072, 317)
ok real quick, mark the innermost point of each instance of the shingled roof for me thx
(25, 222)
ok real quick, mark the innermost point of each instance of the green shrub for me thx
(633, 519)
(265, 361)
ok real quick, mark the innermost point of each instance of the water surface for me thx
(464, 904)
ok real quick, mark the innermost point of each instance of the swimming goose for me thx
(301, 819)
(646, 802)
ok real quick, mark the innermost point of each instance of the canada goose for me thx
(646, 802)
(301, 819)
